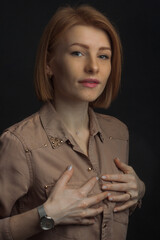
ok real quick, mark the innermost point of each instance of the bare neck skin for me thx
(73, 114)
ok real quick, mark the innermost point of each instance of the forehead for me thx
(88, 35)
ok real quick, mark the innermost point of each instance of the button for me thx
(45, 186)
(104, 225)
(55, 142)
(90, 169)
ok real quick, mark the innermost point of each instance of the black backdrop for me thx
(22, 23)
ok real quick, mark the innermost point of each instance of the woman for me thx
(78, 67)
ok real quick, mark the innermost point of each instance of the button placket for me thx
(107, 224)
(93, 168)
(104, 225)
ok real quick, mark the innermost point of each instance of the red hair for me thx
(62, 20)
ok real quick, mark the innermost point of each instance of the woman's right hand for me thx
(72, 206)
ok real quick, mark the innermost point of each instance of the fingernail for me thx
(104, 187)
(69, 167)
(115, 210)
(104, 177)
(97, 178)
(110, 199)
(117, 158)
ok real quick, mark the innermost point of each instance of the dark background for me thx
(138, 23)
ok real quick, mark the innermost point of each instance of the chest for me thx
(49, 163)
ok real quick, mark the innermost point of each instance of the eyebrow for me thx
(87, 47)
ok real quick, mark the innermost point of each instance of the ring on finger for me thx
(130, 195)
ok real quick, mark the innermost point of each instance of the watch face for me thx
(47, 223)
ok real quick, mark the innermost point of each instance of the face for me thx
(82, 64)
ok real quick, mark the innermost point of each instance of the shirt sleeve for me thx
(14, 178)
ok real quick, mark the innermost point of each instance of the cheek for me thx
(107, 72)
(61, 72)
(67, 70)
(108, 69)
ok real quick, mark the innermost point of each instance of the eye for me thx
(104, 57)
(77, 53)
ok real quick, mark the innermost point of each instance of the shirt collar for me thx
(95, 128)
(55, 128)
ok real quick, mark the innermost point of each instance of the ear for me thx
(49, 71)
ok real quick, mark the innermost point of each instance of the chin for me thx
(89, 100)
(87, 97)
(92, 96)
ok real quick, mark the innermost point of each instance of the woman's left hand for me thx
(130, 188)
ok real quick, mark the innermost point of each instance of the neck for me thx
(74, 115)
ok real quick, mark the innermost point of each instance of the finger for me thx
(87, 187)
(87, 202)
(82, 221)
(87, 221)
(91, 212)
(119, 198)
(120, 187)
(125, 206)
(64, 179)
(122, 166)
(118, 177)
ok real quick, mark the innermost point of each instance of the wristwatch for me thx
(46, 222)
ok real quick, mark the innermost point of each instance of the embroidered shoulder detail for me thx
(55, 142)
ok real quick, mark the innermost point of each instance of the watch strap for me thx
(41, 211)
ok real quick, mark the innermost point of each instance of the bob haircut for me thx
(62, 20)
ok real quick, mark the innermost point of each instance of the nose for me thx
(91, 65)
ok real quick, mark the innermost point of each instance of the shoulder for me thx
(112, 126)
(29, 132)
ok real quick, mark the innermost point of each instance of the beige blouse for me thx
(35, 152)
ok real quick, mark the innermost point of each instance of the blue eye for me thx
(103, 57)
(76, 53)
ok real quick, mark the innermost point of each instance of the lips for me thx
(90, 83)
